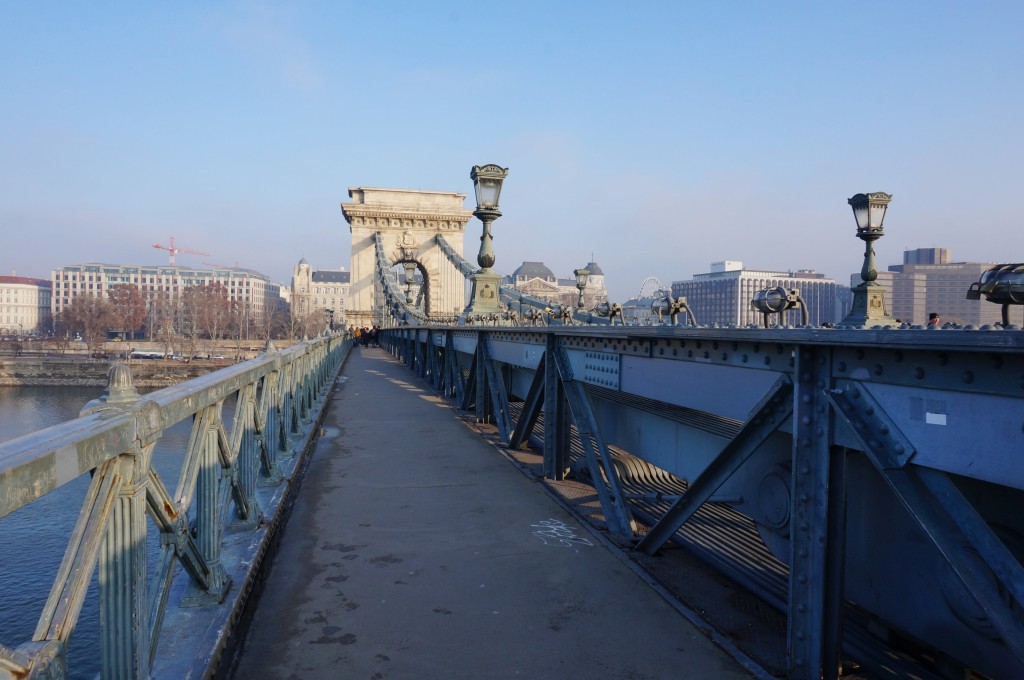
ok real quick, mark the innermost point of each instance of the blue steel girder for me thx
(817, 525)
(556, 416)
(433, 360)
(994, 577)
(470, 397)
(598, 458)
(452, 372)
(670, 395)
(533, 405)
(495, 387)
(773, 410)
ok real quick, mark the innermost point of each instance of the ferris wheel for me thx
(650, 287)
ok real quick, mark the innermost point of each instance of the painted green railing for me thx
(171, 619)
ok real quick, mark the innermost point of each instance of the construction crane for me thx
(172, 251)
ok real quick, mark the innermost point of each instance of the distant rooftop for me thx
(332, 276)
(24, 280)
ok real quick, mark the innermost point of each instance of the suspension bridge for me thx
(815, 501)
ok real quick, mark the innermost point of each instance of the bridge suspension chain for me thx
(508, 293)
(397, 305)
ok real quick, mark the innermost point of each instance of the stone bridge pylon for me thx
(408, 220)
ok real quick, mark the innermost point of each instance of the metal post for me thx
(124, 613)
(556, 416)
(815, 571)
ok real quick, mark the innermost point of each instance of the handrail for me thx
(277, 396)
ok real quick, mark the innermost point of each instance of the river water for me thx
(34, 538)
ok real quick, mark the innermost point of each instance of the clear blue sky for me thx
(657, 136)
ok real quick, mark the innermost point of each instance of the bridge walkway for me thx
(416, 550)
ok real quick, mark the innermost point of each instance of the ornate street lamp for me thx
(410, 275)
(581, 283)
(869, 297)
(487, 181)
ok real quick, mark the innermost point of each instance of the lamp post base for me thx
(868, 307)
(484, 298)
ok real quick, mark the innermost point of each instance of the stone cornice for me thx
(351, 210)
(418, 220)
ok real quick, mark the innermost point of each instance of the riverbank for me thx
(87, 372)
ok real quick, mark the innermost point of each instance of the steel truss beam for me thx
(532, 408)
(941, 511)
(817, 525)
(454, 381)
(495, 387)
(598, 458)
(769, 414)
(469, 393)
(556, 416)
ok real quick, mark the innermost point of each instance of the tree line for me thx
(204, 316)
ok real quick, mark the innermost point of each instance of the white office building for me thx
(24, 305)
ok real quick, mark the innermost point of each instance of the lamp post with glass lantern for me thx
(487, 181)
(410, 275)
(581, 283)
(868, 306)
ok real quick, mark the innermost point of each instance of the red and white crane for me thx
(172, 251)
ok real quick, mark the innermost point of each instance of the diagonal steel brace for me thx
(773, 409)
(532, 407)
(598, 457)
(946, 517)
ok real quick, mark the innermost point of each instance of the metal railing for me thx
(858, 480)
(213, 528)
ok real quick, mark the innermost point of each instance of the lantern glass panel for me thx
(877, 215)
(487, 191)
(860, 213)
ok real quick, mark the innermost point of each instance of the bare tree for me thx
(273, 323)
(129, 309)
(162, 319)
(208, 312)
(92, 316)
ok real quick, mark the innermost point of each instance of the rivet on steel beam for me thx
(806, 398)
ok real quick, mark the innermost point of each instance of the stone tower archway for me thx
(408, 220)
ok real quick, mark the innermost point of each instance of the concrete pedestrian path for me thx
(416, 550)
